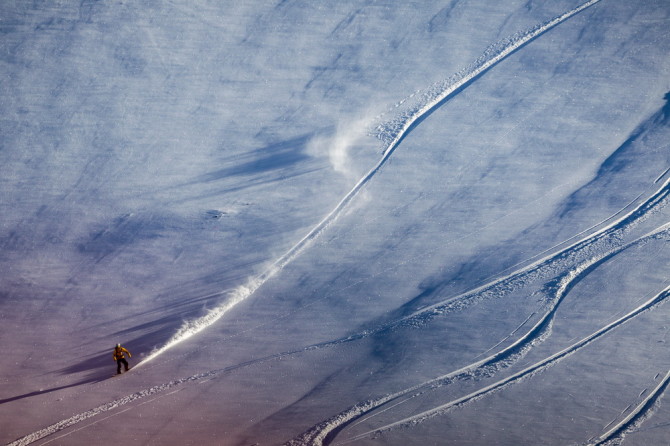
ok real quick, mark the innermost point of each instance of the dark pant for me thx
(119, 362)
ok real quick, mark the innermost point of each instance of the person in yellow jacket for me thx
(120, 358)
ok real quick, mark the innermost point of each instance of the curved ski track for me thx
(492, 56)
(325, 432)
(320, 434)
(637, 414)
(602, 241)
(538, 366)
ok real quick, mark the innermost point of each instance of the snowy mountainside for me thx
(350, 223)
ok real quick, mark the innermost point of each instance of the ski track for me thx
(620, 225)
(663, 174)
(636, 416)
(319, 433)
(200, 378)
(453, 85)
(492, 56)
(584, 248)
(533, 369)
(323, 433)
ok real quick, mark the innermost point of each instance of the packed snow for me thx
(335, 223)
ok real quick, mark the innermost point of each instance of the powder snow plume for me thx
(192, 327)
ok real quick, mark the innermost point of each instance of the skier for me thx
(119, 357)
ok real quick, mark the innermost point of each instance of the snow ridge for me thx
(396, 133)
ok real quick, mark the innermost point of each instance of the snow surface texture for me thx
(230, 192)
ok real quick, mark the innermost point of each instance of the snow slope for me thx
(351, 223)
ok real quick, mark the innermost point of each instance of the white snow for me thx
(367, 222)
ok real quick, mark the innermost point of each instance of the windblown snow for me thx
(321, 224)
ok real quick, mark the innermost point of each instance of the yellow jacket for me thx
(118, 353)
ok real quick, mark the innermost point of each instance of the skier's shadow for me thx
(97, 364)
(100, 365)
(53, 389)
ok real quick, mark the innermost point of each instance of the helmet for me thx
(118, 345)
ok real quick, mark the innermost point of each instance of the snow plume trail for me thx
(241, 293)
(437, 96)
(348, 133)
(190, 328)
